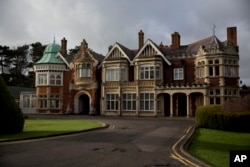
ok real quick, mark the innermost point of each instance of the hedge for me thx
(213, 117)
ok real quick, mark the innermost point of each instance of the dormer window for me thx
(83, 70)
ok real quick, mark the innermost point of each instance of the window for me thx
(42, 79)
(149, 72)
(26, 101)
(42, 101)
(52, 79)
(54, 101)
(128, 101)
(146, 101)
(115, 74)
(83, 70)
(58, 80)
(178, 74)
(112, 102)
(200, 69)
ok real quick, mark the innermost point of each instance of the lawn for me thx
(213, 146)
(46, 127)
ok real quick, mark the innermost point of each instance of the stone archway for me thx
(82, 103)
(164, 99)
(180, 104)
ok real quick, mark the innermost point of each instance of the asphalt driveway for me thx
(128, 142)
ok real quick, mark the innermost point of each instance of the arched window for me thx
(52, 79)
(58, 80)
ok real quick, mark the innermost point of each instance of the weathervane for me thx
(214, 29)
(54, 39)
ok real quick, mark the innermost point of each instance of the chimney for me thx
(176, 40)
(64, 46)
(140, 39)
(232, 35)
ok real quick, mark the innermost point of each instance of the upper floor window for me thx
(149, 72)
(42, 79)
(115, 74)
(55, 79)
(83, 70)
(178, 74)
(213, 68)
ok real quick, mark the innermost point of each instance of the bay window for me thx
(149, 72)
(146, 101)
(115, 74)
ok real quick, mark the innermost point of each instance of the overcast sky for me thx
(104, 22)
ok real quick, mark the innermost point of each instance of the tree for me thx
(36, 51)
(11, 116)
(4, 51)
(18, 61)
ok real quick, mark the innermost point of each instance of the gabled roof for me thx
(157, 50)
(126, 53)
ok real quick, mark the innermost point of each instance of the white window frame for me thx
(83, 70)
(42, 79)
(147, 102)
(129, 101)
(178, 73)
(112, 102)
(115, 74)
(147, 72)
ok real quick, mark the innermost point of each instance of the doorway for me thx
(84, 104)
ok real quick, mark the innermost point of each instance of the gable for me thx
(150, 49)
(117, 52)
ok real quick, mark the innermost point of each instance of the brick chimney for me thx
(232, 35)
(140, 39)
(64, 46)
(176, 41)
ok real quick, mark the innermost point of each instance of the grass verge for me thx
(213, 146)
(34, 128)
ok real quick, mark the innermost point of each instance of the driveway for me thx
(128, 142)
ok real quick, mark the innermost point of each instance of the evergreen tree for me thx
(11, 116)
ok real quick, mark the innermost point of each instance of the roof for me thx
(49, 55)
(15, 90)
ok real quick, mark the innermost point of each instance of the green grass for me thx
(213, 146)
(46, 127)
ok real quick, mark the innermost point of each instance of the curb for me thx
(180, 150)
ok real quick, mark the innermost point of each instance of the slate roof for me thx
(15, 90)
(130, 53)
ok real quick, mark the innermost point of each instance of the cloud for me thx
(102, 23)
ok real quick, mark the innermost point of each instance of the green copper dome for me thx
(49, 55)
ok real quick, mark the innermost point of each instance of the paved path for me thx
(139, 142)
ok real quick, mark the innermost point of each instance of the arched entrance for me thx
(83, 104)
(197, 99)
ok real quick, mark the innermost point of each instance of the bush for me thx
(213, 117)
(11, 116)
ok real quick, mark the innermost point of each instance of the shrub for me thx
(213, 117)
(11, 116)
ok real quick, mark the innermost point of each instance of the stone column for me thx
(171, 105)
(188, 106)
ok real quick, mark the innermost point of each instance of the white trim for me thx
(116, 45)
(63, 59)
(158, 52)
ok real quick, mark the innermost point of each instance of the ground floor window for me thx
(54, 101)
(128, 101)
(214, 100)
(49, 101)
(146, 101)
(112, 102)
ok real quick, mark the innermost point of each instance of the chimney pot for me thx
(64, 46)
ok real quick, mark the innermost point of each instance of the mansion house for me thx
(152, 80)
